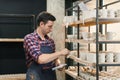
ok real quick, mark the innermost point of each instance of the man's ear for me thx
(41, 23)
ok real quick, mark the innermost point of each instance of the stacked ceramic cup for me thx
(117, 13)
(109, 57)
(106, 13)
(117, 57)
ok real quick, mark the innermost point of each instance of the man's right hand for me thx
(64, 52)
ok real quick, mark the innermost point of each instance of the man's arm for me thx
(45, 58)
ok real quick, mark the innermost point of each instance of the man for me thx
(40, 50)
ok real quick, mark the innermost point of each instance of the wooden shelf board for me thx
(11, 40)
(74, 75)
(71, 73)
(79, 41)
(110, 64)
(81, 61)
(87, 63)
(110, 41)
(12, 77)
(92, 21)
(91, 41)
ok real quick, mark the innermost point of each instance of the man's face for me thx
(47, 28)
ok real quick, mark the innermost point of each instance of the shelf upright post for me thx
(100, 25)
(101, 30)
(97, 45)
(66, 13)
(89, 43)
(78, 29)
(105, 43)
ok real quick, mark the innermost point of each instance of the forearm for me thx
(45, 58)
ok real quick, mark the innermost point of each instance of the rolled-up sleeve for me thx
(32, 48)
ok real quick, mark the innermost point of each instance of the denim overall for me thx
(36, 71)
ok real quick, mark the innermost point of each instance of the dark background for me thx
(22, 6)
(12, 56)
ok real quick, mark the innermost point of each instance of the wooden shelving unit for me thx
(79, 41)
(87, 63)
(11, 40)
(13, 77)
(91, 41)
(92, 21)
(71, 73)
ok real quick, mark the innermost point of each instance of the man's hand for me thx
(61, 66)
(57, 63)
(64, 52)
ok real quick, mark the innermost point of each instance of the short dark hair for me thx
(44, 17)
